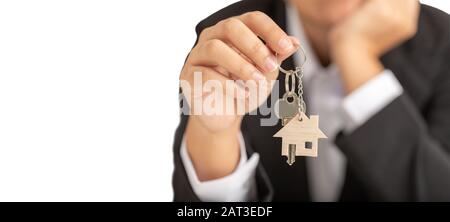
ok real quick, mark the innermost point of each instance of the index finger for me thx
(263, 26)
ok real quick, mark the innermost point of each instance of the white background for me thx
(89, 96)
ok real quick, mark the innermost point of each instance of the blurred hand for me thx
(377, 27)
(230, 50)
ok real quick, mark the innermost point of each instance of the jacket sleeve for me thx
(180, 182)
(403, 153)
(182, 188)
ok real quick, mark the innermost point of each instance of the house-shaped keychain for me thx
(300, 138)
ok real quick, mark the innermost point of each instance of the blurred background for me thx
(89, 96)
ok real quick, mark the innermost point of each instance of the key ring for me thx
(292, 74)
(296, 70)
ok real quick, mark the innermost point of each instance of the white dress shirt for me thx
(326, 98)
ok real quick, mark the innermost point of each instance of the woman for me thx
(378, 76)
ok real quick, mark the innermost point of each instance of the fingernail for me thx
(285, 44)
(258, 76)
(295, 41)
(271, 63)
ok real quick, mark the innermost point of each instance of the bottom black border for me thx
(220, 211)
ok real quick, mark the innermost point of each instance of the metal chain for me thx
(298, 73)
(293, 75)
(301, 101)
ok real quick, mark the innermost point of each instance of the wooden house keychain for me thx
(299, 134)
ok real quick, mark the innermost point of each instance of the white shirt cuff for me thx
(363, 103)
(237, 187)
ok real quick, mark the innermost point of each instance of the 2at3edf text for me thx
(225, 212)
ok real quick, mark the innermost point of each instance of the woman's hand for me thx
(377, 27)
(228, 51)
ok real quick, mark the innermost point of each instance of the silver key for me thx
(291, 154)
(287, 107)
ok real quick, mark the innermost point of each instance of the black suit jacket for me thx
(400, 154)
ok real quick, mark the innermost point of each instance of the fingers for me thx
(263, 26)
(243, 31)
(216, 53)
(202, 81)
(235, 32)
(296, 44)
(203, 88)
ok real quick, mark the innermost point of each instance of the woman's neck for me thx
(318, 37)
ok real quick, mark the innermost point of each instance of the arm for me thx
(237, 186)
(247, 183)
(399, 153)
(224, 52)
